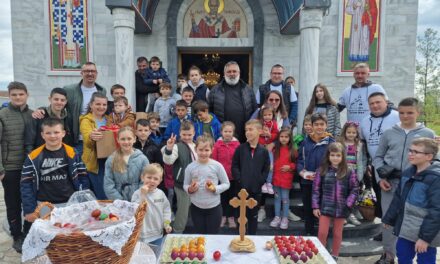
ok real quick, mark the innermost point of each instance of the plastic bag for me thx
(81, 196)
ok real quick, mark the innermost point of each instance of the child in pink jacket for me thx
(223, 152)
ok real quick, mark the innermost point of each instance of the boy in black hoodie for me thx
(250, 166)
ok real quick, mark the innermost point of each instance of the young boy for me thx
(310, 155)
(121, 115)
(197, 83)
(250, 167)
(13, 120)
(116, 91)
(174, 125)
(56, 109)
(205, 122)
(181, 83)
(51, 172)
(163, 106)
(158, 207)
(145, 144)
(154, 120)
(414, 211)
(188, 96)
(180, 155)
(391, 159)
(154, 77)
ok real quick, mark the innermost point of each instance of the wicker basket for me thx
(367, 212)
(79, 248)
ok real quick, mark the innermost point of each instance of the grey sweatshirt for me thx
(163, 108)
(394, 144)
(201, 172)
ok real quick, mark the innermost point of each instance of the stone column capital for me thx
(123, 17)
(310, 18)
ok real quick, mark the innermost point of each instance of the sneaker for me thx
(264, 188)
(293, 217)
(353, 220)
(18, 244)
(378, 237)
(231, 222)
(284, 223)
(261, 215)
(383, 260)
(358, 215)
(275, 222)
(223, 222)
(269, 188)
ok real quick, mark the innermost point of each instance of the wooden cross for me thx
(242, 203)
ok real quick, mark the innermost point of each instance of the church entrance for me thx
(212, 64)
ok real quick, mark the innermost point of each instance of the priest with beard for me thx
(233, 100)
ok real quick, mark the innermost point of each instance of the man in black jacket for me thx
(142, 90)
(233, 100)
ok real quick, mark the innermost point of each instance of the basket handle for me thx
(41, 206)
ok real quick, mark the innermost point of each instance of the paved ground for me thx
(9, 256)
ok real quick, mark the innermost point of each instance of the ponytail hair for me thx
(118, 163)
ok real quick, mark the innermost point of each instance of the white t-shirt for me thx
(279, 88)
(87, 95)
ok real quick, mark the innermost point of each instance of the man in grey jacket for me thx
(392, 158)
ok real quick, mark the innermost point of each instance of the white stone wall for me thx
(30, 47)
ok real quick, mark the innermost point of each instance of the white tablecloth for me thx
(261, 255)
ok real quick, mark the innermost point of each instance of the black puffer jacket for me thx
(216, 99)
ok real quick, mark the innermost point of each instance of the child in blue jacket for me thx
(205, 122)
(415, 209)
(174, 125)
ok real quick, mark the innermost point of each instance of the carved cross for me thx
(242, 203)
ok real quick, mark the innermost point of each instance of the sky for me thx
(428, 17)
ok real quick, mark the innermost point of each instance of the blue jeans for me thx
(281, 198)
(270, 174)
(406, 252)
(157, 242)
(97, 181)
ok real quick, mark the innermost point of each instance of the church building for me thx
(315, 41)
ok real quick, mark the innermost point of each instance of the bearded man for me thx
(233, 100)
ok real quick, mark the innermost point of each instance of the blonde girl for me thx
(124, 167)
(335, 190)
(205, 180)
(356, 157)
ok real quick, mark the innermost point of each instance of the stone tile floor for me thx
(9, 256)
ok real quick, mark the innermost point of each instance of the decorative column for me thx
(310, 27)
(123, 23)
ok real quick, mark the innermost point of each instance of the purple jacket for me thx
(335, 197)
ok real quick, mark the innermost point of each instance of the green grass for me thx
(348, 65)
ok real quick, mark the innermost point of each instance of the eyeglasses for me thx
(415, 152)
(89, 71)
(274, 100)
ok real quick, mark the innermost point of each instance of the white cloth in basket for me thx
(114, 236)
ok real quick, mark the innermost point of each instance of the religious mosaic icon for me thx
(68, 34)
(215, 19)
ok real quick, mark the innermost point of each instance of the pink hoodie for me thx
(223, 153)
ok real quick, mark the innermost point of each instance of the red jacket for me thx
(283, 179)
(223, 153)
(272, 126)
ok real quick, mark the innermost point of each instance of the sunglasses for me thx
(274, 100)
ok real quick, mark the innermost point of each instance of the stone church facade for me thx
(307, 38)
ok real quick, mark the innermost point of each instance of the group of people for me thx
(198, 147)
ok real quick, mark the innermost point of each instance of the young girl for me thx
(197, 83)
(323, 103)
(223, 152)
(269, 135)
(335, 190)
(158, 207)
(283, 168)
(124, 167)
(356, 156)
(205, 180)
(121, 114)
(90, 125)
